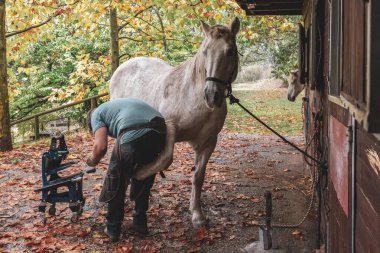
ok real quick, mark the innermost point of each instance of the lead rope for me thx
(314, 175)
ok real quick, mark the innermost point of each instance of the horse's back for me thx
(134, 78)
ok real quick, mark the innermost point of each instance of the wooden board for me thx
(353, 84)
(339, 160)
(339, 226)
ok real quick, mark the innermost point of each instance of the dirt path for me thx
(240, 170)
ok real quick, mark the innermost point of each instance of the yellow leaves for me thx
(106, 60)
(26, 70)
(62, 95)
(218, 17)
(23, 62)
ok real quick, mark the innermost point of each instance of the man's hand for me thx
(91, 162)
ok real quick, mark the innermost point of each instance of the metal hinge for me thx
(350, 134)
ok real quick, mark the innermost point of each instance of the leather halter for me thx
(217, 80)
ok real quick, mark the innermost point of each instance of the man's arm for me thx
(100, 146)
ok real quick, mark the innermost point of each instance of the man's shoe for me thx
(139, 229)
(112, 238)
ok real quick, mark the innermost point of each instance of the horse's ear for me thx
(235, 26)
(205, 28)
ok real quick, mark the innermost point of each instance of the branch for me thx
(195, 4)
(30, 107)
(163, 29)
(29, 28)
(57, 7)
(40, 24)
(148, 23)
(122, 55)
(134, 16)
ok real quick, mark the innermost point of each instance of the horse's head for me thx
(295, 86)
(220, 60)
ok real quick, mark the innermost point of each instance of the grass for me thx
(271, 106)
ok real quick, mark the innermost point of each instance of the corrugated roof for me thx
(271, 7)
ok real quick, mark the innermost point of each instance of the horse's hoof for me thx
(198, 222)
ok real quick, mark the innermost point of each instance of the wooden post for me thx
(94, 103)
(36, 128)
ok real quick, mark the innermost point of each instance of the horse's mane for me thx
(196, 65)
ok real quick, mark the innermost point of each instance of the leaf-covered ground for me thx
(240, 170)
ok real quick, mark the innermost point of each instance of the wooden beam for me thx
(274, 7)
(274, 12)
(372, 123)
(57, 109)
(269, 1)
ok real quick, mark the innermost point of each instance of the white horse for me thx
(190, 96)
(295, 86)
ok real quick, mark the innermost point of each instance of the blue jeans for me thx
(140, 151)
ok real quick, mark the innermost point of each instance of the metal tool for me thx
(266, 232)
(58, 188)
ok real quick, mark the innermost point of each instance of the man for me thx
(140, 131)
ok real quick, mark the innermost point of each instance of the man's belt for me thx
(156, 124)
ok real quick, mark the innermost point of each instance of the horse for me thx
(191, 97)
(294, 85)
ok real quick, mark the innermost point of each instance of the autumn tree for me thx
(69, 49)
(23, 18)
(5, 132)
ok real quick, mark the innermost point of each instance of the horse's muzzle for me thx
(291, 98)
(214, 99)
(214, 94)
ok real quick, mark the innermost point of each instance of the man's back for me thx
(121, 114)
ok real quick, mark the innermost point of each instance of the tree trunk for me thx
(114, 40)
(5, 129)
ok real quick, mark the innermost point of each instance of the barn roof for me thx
(271, 7)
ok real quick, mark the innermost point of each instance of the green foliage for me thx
(49, 71)
(284, 52)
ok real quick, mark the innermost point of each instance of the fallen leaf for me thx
(200, 234)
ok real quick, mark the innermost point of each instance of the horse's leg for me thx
(202, 154)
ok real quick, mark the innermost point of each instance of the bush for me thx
(252, 73)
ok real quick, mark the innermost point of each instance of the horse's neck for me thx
(188, 80)
(190, 74)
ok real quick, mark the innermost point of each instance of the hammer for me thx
(266, 232)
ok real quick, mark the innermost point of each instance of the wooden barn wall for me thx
(337, 205)
(353, 85)
(339, 179)
(322, 96)
(367, 225)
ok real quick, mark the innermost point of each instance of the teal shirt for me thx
(119, 114)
